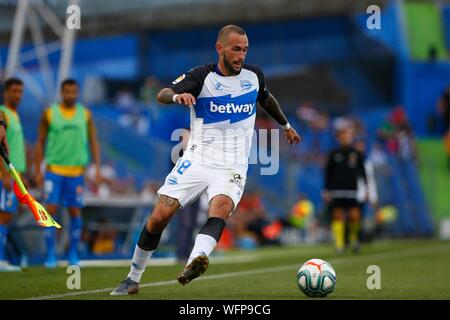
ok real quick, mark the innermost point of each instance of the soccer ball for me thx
(316, 278)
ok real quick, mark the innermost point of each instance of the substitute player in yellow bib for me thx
(8, 201)
(66, 135)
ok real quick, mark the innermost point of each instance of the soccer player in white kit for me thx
(222, 99)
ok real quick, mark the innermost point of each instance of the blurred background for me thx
(321, 61)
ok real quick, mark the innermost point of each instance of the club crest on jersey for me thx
(246, 85)
(218, 86)
(179, 79)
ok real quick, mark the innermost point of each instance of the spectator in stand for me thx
(149, 192)
(250, 223)
(110, 183)
(386, 135)
(397, 135)
(94, 90)
(315, 124)
(104, 239)
(306, 113)
(126, 103)
(379, 159)
(148, 93)
(300, 217)
(404, 135)
(125, 99)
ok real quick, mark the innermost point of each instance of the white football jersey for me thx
(223, 118)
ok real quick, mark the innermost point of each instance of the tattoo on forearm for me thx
(165, 96)
(273, 109)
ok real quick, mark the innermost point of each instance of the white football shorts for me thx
(188, 179)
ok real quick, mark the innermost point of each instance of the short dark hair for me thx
(12, 81)
(231, 28)
(69, 82)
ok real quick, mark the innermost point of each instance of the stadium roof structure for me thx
(117, 16)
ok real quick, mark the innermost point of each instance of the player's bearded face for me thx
(234, 52)
(233, 66)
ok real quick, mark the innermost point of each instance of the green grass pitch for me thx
(410, 269)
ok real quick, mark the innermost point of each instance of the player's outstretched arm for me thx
(3, 140)
(39, 151)
(95, 148)
(6, 179)
(273, 109)
(168, 96)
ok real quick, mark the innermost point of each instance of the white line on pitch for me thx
(337, 261)
(171, 261)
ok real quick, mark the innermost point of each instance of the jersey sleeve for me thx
(263, 92)
(190, 82)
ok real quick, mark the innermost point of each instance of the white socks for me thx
(138, 263)
(204, 245)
